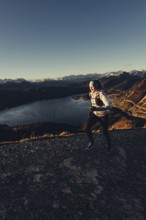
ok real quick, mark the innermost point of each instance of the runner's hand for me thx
(92, 108)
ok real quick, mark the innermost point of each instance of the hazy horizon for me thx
(60, 78)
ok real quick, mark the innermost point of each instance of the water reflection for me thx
(63, 110)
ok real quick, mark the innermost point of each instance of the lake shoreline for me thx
(65, 110)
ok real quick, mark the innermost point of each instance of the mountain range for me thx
(20, 83)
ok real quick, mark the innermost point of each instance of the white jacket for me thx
(107, 104)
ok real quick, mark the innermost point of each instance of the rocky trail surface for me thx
(56, 179)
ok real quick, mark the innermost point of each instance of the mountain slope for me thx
(133, 101)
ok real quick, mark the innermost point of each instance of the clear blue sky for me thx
(54, 38)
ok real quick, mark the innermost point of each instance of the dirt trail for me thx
(57, 179)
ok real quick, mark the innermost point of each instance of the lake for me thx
(62, 110)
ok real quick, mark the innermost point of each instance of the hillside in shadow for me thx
(13, 98)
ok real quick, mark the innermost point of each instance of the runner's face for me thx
(92, 89)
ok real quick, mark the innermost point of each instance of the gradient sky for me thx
(54, 38)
